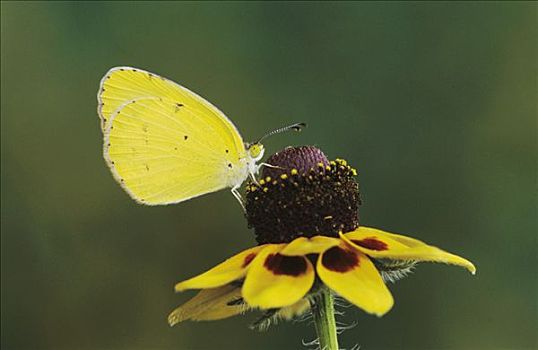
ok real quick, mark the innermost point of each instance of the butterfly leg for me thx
(237, 196)
(253, 177)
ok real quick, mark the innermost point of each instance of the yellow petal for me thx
(297, 309)
(223, 310)
(380, 244)
(220, 313)
(275, 280)
(230, 270)
(209, 304)
(351, 274)
(314, 245)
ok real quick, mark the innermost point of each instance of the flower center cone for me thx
(302, 194)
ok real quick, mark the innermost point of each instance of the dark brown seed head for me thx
(302, 194)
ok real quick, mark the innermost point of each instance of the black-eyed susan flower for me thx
(304, 212)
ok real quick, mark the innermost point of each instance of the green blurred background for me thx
(434, 103)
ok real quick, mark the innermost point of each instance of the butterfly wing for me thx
(163, 143)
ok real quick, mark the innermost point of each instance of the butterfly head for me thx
(256, 151)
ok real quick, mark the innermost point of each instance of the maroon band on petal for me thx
(340, 260)
(371, 243)
(285, 265)
(248, 259)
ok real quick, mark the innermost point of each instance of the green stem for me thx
(323, 312)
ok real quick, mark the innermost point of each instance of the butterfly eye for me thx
(256, 151)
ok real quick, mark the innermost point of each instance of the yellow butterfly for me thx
(165, 144)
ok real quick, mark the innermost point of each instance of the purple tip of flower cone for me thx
(303, 158)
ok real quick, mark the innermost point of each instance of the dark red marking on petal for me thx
(248, 259)
(339, 260)
(285, 265)
(371, 243)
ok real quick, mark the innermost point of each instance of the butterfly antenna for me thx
(294, 127)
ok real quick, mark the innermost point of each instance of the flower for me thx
(304, 212)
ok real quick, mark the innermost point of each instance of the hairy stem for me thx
(323, 313)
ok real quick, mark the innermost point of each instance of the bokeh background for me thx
(434, 103)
